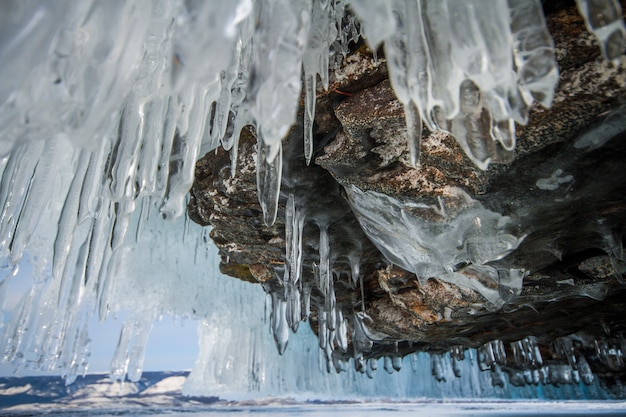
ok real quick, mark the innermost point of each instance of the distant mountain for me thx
(20, 395)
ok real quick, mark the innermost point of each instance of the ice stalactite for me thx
(324, 22)
(604, 19)
(130, 350)
(269, 173)
(294, 224)
(431, 68)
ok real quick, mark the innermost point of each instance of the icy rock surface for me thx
(452, 240)
(604, 19)
(397, 314)
(106, 106)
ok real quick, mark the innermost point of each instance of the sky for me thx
(172, 345)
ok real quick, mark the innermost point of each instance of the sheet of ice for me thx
(432, 241)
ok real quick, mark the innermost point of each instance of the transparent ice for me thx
(433, 240)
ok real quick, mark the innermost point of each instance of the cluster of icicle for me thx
(521, 362)
(106, 106)
(473, 70)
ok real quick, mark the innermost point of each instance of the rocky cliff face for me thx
(523, 261)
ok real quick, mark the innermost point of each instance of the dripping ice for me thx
(105, 107)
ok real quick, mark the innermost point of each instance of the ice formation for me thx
(442, 240)
(106, 106)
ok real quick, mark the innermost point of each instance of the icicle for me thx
(340, 364)
(360, 341)
(611, 356)
(306, 296)
(367, 367)
(151, 145)
(4, 283)
(457, 355)
(123, 211)
(419, 76)
(348, 30)
(15, 184)
(396, 362)
(325, 274)
(99, 255)
(309, 115)
(169, 132)
(130, 350)
(278, 323)
(37, 196)
(268, 176)
(481, 42)
(438, 367)
(471, 128)
(498, 377)
(294, 225)
(223, 108)
(413, 132)
(90, 199)
(314, 62)
(604, 19)
(359, 362)
(294, 306)
(388, 365)
(565, 349)
(586, 374)
(183, 158)
(331, 307)
(491, 355)
(341, 332)
(322, 319)
(281, 33)
(144, 214)
(126, 150)
(533, 50)
(526, 353)
(449, 77)
(328, 353)
(16, 333)
(404, 50)
(376, 18)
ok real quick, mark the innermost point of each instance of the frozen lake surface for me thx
(159, 394)
(368, 409)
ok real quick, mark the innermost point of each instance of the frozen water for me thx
(604, 19)
(106, 106)
(432, 240)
